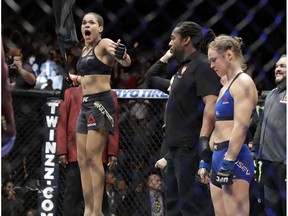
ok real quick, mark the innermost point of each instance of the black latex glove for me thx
(204, 150)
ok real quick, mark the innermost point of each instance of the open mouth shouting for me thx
(87, 33)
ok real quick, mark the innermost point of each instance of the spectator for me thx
(122, 188)
(128, 80)
(142, 200)
(11, 205)
(136, 202)
(23, 78)
(49, 85)
(49, 67)
(31, 212)
(256, 187)
(114, 198)
(156, 196)
(269, 144)
(21, 74)
(41, 81)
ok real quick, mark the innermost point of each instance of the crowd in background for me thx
(41, 51)
(42, 54)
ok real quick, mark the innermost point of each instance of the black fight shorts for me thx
(95, 109)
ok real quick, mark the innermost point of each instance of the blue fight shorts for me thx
(244, 165)
(95, 109)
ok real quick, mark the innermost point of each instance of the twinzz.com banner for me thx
(48, 193)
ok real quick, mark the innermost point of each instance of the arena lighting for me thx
(263, 37)
(234, 33)
(278, 20)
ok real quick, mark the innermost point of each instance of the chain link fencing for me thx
(141, 135)
(262, 25)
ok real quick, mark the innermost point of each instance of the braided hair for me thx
(200, 36)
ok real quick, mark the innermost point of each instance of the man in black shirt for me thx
(189, 117)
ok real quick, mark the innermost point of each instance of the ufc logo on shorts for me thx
(222, 179)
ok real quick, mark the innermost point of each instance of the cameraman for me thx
(21, 74)
(27, 112)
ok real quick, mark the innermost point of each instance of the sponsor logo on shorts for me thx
(91, 121)
(85, 99)
(102, 109)
(242, 167)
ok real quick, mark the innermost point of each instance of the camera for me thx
(9, 60)
(11, 53)
(12, 71)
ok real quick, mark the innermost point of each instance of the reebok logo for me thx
(91, 121)
(225, 101)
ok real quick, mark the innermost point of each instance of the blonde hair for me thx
(222, 43)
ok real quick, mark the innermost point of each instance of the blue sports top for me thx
(224, 107)
(91, 65)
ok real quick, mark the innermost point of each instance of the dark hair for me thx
(4, 184)
(98, 17)
(223, 42)
(200, 37)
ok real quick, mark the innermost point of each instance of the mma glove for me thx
(226, 174)
(120, 51)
